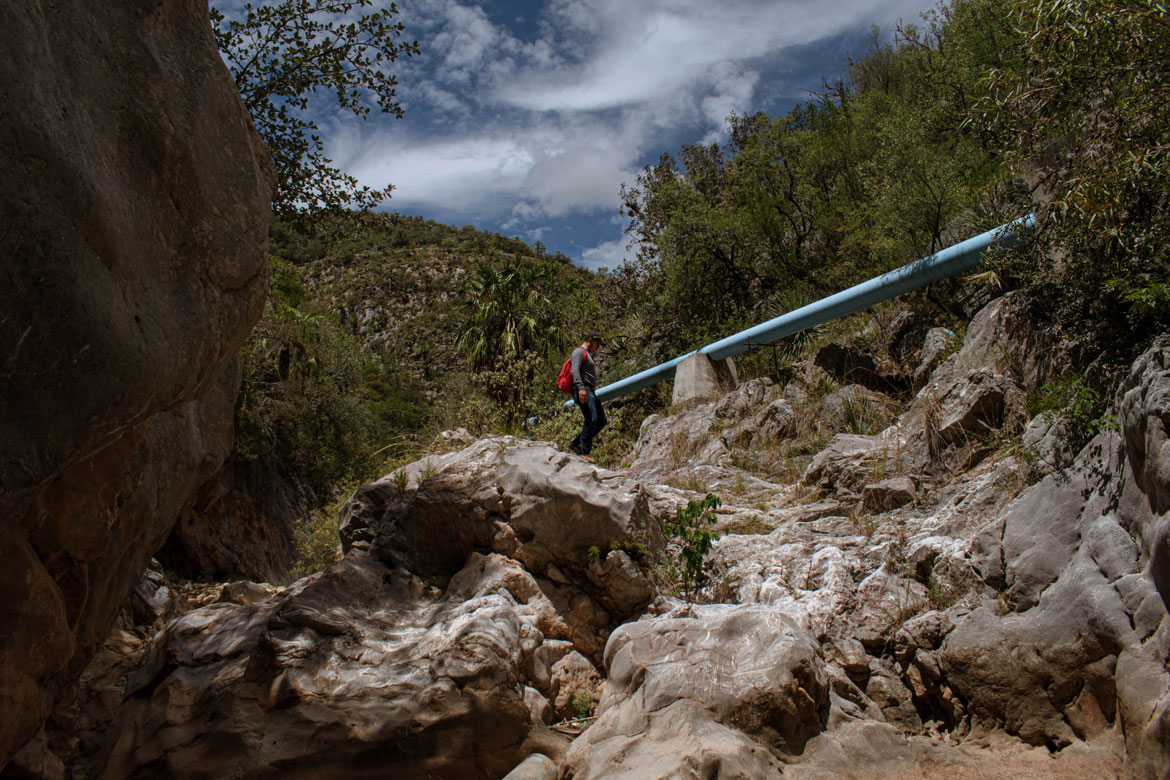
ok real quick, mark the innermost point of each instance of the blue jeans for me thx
(594, 421)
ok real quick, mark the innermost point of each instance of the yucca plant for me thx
(507, 315)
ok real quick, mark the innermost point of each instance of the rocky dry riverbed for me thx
(955, 595)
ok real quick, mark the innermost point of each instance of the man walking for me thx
(584, 372)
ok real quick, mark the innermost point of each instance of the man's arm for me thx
(576, 360)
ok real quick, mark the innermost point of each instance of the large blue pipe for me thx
(927, 270)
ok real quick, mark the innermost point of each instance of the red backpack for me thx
(565, 378)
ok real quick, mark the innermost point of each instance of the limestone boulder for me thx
(747, 399)
(682, 441)
(973, 407)
(979, 390)
(886, 689)
(134, 204)
(793, 572)
(1078, 640)
(885, 600)
(1004, 338)
(356, 670)
(845, 465)
(775, 422)
(770, 426)
(554, 513)
(78, 550)
(135, 207)
(1046, 442)
(719, 691)
(1145, 416)
(934, 344)
(576, 686)
(154, 600)
(681, 740)
(887, 494)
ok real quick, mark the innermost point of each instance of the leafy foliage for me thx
(690, 527)
(1080, 409)
(507, 315)
(281, 55)
(316, 541)
(583, 703)
(301, 402)
(1085, 111)
(354, 364)
(867, 176)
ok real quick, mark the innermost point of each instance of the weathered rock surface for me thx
(844, 467)
(135, 214)
(934, 344)
(521, 499)
(686, 691)
(1145, 415)
(400, 657)
(900, 611)
(1077, 555)
(135, 203)
(888, 494)
(1048, 622)
(237, 526)
(351, 671)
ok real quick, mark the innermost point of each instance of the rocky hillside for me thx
(394, 282)
(940, 588)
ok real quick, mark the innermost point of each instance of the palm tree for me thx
(507, 315)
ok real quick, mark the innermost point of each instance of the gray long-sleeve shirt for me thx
(584, 370)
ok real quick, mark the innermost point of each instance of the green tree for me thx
(301, 408)
(1085, 112)
(507, 315)
(281, 54)
(870, 174)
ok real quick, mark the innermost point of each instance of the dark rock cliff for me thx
(134, 204)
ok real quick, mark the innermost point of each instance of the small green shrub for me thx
(1072, 402)
(583, 703)
(824, 387)
(636, 550)
(690, 528)
(315, 537)
(315, 540)
(861, 417)
(940, 595)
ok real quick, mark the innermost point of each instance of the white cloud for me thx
(609, 254)
(582, 178)
(457, 173)
(469, 39)
(552, 125)
(644, 51)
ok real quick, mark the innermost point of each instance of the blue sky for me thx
(525, 117)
